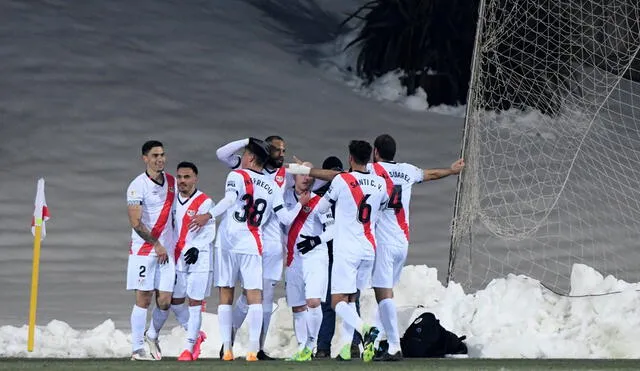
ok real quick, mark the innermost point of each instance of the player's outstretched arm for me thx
(433, 174)
(228, 153)
(324, 174)
(135, 220)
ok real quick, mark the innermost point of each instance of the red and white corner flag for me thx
(41, 211)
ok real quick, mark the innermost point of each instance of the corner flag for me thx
(40, 216)
(41, 211)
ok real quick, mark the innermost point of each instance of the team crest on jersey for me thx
(306, 209)
(279, 178)
(191, 213)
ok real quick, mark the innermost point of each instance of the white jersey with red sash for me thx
(257, 195)
(272, 230)
(157, 200)
(393, 226)
(310, 222)
(358, 197)
(186, 208)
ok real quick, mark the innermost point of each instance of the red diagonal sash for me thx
(356, 192)
(255, 231)
(184, 229)
(400, 214)
(280, 176)
(297, 224)
(146, 247)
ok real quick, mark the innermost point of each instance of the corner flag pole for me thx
(35, 270)
(40, 215)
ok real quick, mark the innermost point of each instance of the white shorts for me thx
(306, 280)
(144, 273)
(229, 267)
(388, 266)
(195, 285)
(350, 274)
(272, 262)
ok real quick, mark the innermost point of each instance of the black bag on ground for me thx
(426, 338)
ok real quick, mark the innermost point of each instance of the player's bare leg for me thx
(225, 321)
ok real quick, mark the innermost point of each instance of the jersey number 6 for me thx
(364, 210)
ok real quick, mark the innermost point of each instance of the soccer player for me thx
(251, 197)
(193, 255)
(150, 199)
(307, 273)
(358, 196)
(392, 231)
(273, 249)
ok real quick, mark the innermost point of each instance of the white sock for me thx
(240, 311)
(349, 315)
(138, 323)
(193, 328)
(158, 318)
(268, 292)
(224, 322)
(255, 326)
(182, 314)
(389, 318)
(300, 328)
(314, 320)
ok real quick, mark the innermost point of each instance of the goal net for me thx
(552, 144)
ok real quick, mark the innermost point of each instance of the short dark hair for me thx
(332, 163)
(271, 138)
(146, 147)
(188, 165)
(386, 146)
(360, 150)
(260, 149)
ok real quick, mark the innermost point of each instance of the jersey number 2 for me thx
(251, 211)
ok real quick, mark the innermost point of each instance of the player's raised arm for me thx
(234, 184)
(433, 174)
(228, 153)
(286, 216)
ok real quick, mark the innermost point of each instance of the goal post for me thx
(551, 144)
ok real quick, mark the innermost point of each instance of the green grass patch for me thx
(318, 365)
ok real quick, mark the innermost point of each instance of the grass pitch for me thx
(111, 364)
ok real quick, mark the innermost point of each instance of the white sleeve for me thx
(285, 216)
(327, 220)
(415, 173)
(234, 186)
(228, 153)
(135, 193)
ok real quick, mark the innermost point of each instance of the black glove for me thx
(191, 256)
(308, 244)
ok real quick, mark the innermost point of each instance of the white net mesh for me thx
(552, 143)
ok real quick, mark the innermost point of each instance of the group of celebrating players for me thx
(275, 216)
